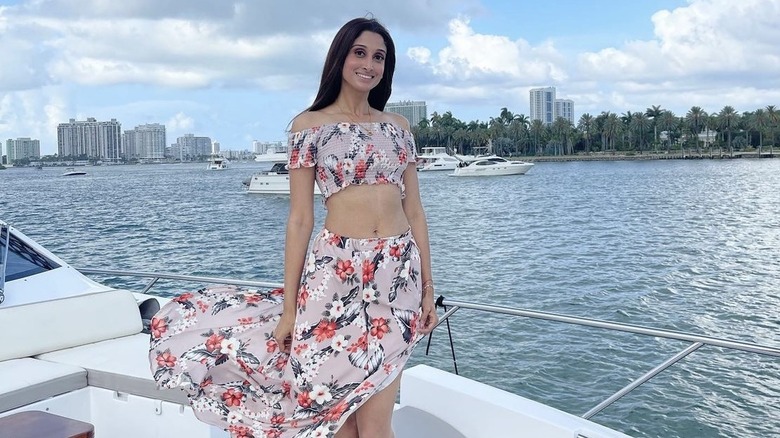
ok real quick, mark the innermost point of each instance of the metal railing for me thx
(452, 306)
(5, 230)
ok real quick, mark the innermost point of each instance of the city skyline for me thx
(240, 71)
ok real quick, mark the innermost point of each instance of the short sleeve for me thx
(411, 148)
(302, 149)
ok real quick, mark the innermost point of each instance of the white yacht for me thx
(492, 166)
(437, 158)
(71, 171)
(272, 155)
(75, 355)
(275, 181)
(217, 162)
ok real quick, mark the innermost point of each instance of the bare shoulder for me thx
(308, 119)
(398, 120)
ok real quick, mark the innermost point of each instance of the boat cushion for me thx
(29, 380)
(120, 364)
(53, 325)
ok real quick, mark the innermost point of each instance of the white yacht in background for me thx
(272, 155)
(437, 158)
(77, 348)
(275, 181)
(218, 162)
(492, 166)
(71, 171)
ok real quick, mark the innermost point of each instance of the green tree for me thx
(654, 113)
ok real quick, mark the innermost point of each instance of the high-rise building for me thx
(90, 138)
(545, 107)
(150, 141)
(189, 147)
(414, 111)
(565, 108)
(542, 104)
(22, 148)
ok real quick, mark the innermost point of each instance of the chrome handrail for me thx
(452, 306)
(4, 257)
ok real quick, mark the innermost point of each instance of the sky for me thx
(238, 71)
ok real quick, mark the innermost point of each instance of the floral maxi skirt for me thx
(356, 324)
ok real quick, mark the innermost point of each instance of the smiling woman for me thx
(323, 356)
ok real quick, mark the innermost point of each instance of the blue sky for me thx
(238, 71)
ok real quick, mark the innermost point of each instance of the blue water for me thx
(684, 245)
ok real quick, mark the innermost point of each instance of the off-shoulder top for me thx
(345, 153)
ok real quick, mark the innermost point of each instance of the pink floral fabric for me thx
(347, 153)
(357, 314)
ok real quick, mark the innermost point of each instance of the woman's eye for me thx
(360, 52)
(379, 57)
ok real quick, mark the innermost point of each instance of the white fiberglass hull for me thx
(495, 170)
(272, 183)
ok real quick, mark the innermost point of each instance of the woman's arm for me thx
(413, 209)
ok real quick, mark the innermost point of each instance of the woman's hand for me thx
(283, 332)
(428, 316)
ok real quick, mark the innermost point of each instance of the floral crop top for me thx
(346, 153)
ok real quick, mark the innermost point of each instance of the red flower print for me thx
(286, 388)
(245, 367)
(360, 169)
(166, 360)
(158, 326)
(304, 400)
(396, 250)
(275, 433)
(326, 329)
(368, 271)
(277, 292)
(303, 295)
(206, 383)
(360, 345)
(402, 156)
(277, 419)
(240, 432)
(270, 345)
(379, 327)
(300, 348)
(245, 320)
(294, 154)
(252, 298)
(232, 397)
(281, 362)
(334, 239)
(214, 343)
(336, 412)
(203, 306)
(380, 245)
(344, 269)
(183, 298)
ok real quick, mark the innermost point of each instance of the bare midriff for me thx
(366, 211)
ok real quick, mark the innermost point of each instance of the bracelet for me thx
(427, 286)
(427, 283)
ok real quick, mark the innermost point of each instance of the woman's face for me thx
(365, 63)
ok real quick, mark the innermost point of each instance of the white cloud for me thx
(180, 122)
(471, 56)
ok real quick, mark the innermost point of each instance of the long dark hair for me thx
(330, 83)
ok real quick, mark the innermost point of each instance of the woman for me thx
(325, 359)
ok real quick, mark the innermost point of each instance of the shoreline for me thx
(602, 156)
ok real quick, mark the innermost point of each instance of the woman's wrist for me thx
(427, 287)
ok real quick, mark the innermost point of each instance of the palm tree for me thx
(654, 112)
(585, 125)
(759, 121)
(610, 130)
(668, 122)
(537, 134)
(728, 118)
(694, 121)
(773, 118)
(639, 123)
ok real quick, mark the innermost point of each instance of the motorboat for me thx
(437, 158)
(217, 162)
(272, 155)
(275, 181)
(71, 171)
(82, 356)
(492, 166)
